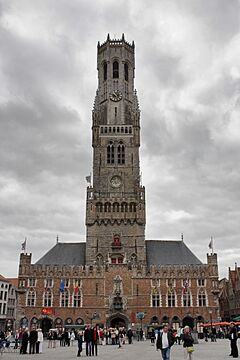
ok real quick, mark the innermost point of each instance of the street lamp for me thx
(210, 313)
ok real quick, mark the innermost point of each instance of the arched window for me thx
(126, 71)
(202, 299)
(105, 71)
(171, 298)
(77, 298)
(134, 259)
(31, 298)
(99, 207)
(107, 207)
(155, 299)
(99, 260)
(47, 298)
(110, 153)
(64, 298)
(186, 298)
(124, 207)
(115, 70)
(132, 207)
(121, 153)
(116, 207)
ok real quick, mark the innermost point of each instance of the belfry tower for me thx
(115, 208)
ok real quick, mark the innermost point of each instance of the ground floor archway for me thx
(188, 321)
(46, 325)
(118, 320)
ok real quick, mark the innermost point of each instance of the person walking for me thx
(152, 336)
(165, 341)
(129, 336)
(188, 342)
(233, 336)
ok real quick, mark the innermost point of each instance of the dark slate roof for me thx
(64, 254)
(168, 252)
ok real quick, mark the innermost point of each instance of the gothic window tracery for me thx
(115, 207)
(126, 71)
(64, 298)
(110, 153)
(31, 297)
(171, 298)
(115, 70)
(186, 298)
(121, 153)
(105, 71)
(77, 298)
(47, 298)
(202, 299)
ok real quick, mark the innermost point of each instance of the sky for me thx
(188, 82)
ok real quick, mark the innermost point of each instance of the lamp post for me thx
(210, 313)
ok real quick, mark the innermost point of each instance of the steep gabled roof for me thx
(64, 254)
(2, 278)
(168, 252)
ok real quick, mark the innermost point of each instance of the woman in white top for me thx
(40, 340)
(72, 337)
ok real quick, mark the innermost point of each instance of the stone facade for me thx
(117, 278)
(229, 299)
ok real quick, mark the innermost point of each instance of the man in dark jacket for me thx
(165, 341)
(233, 336)
(33, 340)
(23, 349)
(88, 340)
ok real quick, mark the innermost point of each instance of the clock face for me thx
(116, 181)
(116, 96)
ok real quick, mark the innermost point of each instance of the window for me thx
(77, 299)
(171, 299)
(67, 283)
(31, 297)
(202, 301)
(110, 153)
(31, 282)
(121, 154)
(48, 283)
(115, 70)
(105, 71)
(201, 282)
(117, 260)
(64, 298)
(186, 298)
(126, 71)
(155, 300)
(47, 300)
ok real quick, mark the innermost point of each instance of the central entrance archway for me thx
(46, 325)
(117, 320)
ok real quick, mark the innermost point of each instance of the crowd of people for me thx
(89, 337)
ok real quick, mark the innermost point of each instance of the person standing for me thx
(80, 342)
(188, 342)
(39, 342)
(72, 337)
(25, 339)
(233, 336)
(88, 340)
(33, 340)
(129, 336)
(94, 336)
(165, 341)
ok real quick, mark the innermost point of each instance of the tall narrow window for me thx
(31, 298)
(77, 298)
(47, 300)
(202, 298)
(126, 71)
(110, 153)
(121, 154)
(64, 301)
(186, 298)
(105, 71)
(115, 70)
(155, 300)
(171, 298)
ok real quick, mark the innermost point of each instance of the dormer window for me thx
(115, 70)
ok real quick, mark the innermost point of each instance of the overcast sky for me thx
(188, 81)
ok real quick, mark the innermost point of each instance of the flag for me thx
(88, 179)
(185, 285)
(61, 288)
(210, 245)
(24, 244)
(76, 287)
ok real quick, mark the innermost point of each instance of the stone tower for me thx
(115, 208)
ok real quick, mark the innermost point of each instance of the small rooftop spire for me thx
(108, 37)
(181, 236)
(57, 239)
(123, 38)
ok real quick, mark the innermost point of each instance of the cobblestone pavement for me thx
(139, 351)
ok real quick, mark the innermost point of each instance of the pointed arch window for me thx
(31, 298)
(77, 298)
(186, 298)
(171, 298)
(110, 153)
(64, 298)
(202, 299)
(121, 153)
(115, 70)
(155, 300)
(47, 298)
(105, 71)
(126, 71)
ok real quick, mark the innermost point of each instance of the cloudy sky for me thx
(188, 82)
